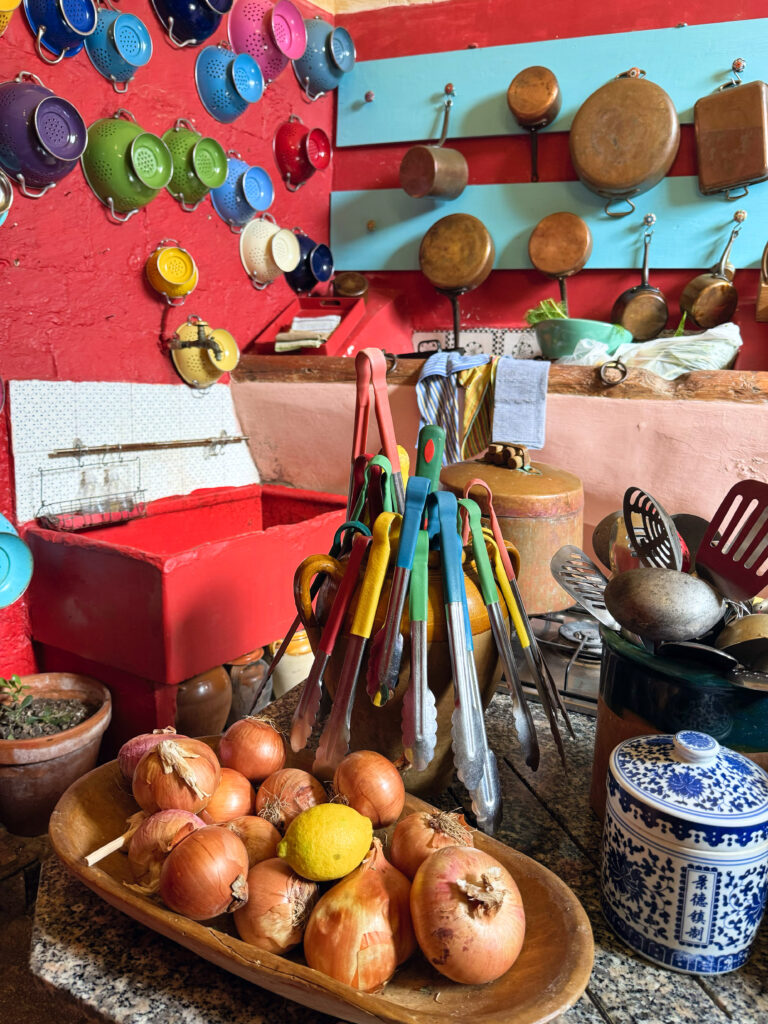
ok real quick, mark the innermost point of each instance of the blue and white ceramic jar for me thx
(684, 872)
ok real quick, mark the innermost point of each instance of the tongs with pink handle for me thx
(371, 368)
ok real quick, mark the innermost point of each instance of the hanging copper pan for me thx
(624, 139)
(456, 255)
(711, 299)
(643, 309)
(559, 246)
(534, 98)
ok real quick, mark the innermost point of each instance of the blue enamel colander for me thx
(227, 83)
(246, 192)
(329, 55)
(60, 27)
(120, 45)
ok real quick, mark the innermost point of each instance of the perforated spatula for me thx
(733, 554)
(651, 531)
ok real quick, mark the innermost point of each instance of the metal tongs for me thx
(334, 741)
(371, 368)
(474, 761)
(521, 713)
(419, 712)
(505, 576)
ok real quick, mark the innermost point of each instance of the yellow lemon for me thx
(326, 842)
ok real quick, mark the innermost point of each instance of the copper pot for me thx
(711, 299)
(434, 170)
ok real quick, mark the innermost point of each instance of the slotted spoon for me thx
(651, 531)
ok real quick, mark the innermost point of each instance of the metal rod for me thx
(143, 446)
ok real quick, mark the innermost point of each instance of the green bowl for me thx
(558, 338)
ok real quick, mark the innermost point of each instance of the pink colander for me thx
(249, 33)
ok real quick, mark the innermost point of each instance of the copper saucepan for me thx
(711, 299)
(559, 246)
(643, 309)
(456, 255)
(534, 98)
(434, 170)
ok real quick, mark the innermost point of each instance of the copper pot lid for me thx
(350, 284)
(457, 253)
(543, 493)
(560, 244)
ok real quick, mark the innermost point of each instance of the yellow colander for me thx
(7, 7)
(172, 272)
(194, 365)
(229, 355)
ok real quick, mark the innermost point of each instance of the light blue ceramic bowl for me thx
(558, 338)
(15, 568)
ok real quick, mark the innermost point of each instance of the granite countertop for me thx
(122, 973)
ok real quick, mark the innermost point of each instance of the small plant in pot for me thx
(51, 726)
(558, 334)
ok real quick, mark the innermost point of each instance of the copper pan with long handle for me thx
(711, 299)
(559, 246)
(456, 255)
(435, 169)
(643, 309)
(534, 99)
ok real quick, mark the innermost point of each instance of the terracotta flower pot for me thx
(35, 772)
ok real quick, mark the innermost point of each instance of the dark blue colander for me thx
(187, 22)
(60, 27)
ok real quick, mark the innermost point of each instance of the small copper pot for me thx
(434, 170)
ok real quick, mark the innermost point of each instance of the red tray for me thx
(351, 312)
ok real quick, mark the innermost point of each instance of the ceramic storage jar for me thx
(685, 851)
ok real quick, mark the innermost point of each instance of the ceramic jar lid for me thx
(703, 794)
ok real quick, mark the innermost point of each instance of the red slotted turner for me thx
(733, 553)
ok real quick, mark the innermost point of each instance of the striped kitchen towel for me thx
(437, 395)
(478, 384)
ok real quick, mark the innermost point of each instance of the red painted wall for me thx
(74, 304)
(506, 295)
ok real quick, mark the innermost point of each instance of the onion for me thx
(361, 929)
(205, 875)
(286, 793)
(275, 916)
(260, 837)
(180, 774)
(132, 751)
(371, 784)
(153, 840)
(253, 747)
(233, 797)
(419, 835)
(467, 914)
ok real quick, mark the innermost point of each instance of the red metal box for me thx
(198, 582)
(351, 312)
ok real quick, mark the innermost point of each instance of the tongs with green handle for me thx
(387, 645)
(419, 711)
(306, 710)
(521, 713)
(334, 741)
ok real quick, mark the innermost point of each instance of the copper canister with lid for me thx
(539, 507)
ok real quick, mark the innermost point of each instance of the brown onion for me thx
(361, 929)
(132, 751)
(371, 784)
(205, 875)
(233, 797)
(286, 793)
(279, 904)
(260, 837)
(179, 773)
(153, 840)
(419, 835)
(254, 747)
(467, 914)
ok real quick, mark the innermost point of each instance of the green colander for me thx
(124, 166)
(199, 164)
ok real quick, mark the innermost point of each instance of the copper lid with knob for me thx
(457, 252)
(351, 285)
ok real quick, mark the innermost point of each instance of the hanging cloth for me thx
(437, 396)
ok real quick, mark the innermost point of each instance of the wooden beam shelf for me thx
(705, 385)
